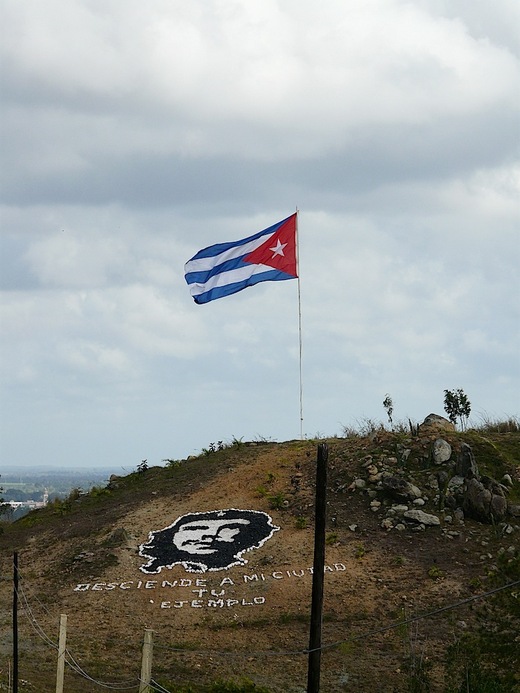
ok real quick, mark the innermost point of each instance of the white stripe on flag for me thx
(204, 264)
(225, 278)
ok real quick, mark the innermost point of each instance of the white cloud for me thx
(137, 133)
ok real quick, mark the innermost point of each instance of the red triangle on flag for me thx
(279, 252)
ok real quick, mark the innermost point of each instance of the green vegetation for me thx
(457, 406)
(487, 660)
(360, 551)
(278, 501)
(300, 522)
(389, 408)
(435, 573)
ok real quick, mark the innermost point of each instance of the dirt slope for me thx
(81, 558)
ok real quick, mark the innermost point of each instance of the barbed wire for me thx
(132, 685)
(69, 659)
(338, 643)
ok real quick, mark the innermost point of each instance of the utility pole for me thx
(318, 574)
(60, 672)
(15, 622)
(146, 664)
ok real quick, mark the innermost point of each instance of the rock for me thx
(114, 482)
(484, 500)
(466, 465)
(455, 484)
(514, 510)
(458, 514)
(387, 523)
(441, 451)
(421, 517)
(399, 488)
(374, 478)
(118, 537)
(506, 479)
(434, 422)
(398, 509)
(419, 502)
(352, 528)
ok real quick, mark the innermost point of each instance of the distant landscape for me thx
(31, 484)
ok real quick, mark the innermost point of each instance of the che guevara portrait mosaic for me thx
(207, 541)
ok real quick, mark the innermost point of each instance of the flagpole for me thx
(299, 324)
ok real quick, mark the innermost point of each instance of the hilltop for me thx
(402, 541)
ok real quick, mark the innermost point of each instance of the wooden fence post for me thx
(318, 574)
(60, 671)
(15, 622)
(146, 664)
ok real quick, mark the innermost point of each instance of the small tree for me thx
(457, 406)
(143, 467)
(389, 407)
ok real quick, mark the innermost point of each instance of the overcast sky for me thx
(136, 133)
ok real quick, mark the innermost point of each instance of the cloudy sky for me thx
(136, 133)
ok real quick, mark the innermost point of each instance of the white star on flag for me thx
(278, 249)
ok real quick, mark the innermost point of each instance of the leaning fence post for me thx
(146, 664)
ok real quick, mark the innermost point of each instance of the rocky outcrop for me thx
(459, 490)
(435, 423)
(484, 500)
(398, 488)
(466, 465)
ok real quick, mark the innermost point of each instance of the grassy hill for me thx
(246, 628)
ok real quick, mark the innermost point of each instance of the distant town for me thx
(26, 489)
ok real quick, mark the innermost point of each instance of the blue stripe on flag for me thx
(218, 248)
(203, 276)
(228, 289)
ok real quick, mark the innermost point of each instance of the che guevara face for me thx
(211, 540)
(207, 536)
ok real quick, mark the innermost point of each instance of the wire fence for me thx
(27, 606)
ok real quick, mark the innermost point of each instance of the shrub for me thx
(278, 501)
(300, 522)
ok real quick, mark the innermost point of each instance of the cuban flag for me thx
(226, 268)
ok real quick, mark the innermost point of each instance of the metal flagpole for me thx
(299, 324)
